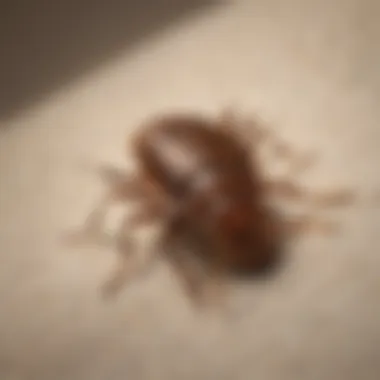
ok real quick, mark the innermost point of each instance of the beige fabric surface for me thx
(311, 70)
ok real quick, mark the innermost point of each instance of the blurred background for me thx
(76, 77)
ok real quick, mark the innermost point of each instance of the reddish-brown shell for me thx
(206, 171)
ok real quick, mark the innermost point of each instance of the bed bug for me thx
(201, 180)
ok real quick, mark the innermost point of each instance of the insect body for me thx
(202, 182)
(213, 188)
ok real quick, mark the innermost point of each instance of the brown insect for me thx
(203, 182)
